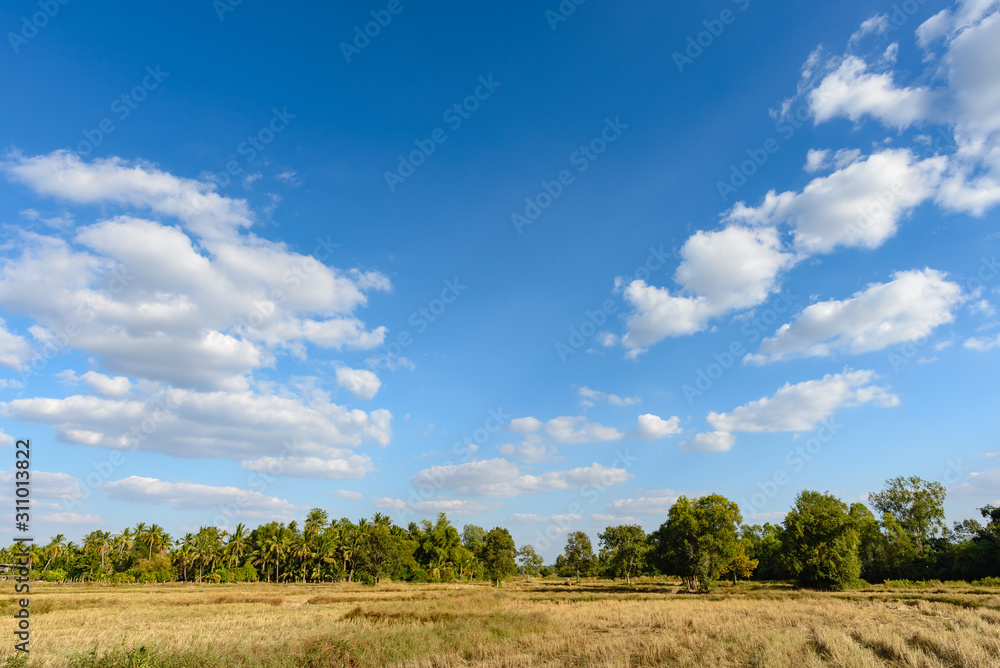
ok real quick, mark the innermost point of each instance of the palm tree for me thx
(237, 544)
(154, 538)
(54, 549)
(186, 552)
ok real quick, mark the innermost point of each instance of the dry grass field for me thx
(537, 623)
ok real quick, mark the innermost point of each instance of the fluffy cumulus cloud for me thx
(576, 430)
(960, 46)
(234, 425)
(859, 205)
(731, 269)
(195, 496)
(362, 383)
(15, 351)
(864, 199)
(801, 407)
(502, 478)
(46, 485)
(907, 308)
(107, 386)
(710, 441)
(853, 91)
(652, 426)
(188, 311)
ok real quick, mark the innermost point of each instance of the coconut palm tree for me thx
(54, 549)
(237, 544)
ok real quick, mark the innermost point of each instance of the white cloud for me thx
(980, 484)
(106, 386)
(908, 308)
(853, 91)
(15, 351)
(816, 160)
(859, 205)
(450, 506)
(652, 426)
(502, 478)
(347, 494)
(347, 465)
(46, 485)
(525, 425)
(731, 269)
(194, 496)
(64, 175)
(710, 441)
(529, 452)
(575, 430)
(362, 383)
(186, 423)
(801, 407)
(589, 397)
(201, 307)
(981, 344)
(644, 505)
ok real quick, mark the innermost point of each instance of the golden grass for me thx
(538, 623)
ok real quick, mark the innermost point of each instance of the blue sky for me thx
(309, 263)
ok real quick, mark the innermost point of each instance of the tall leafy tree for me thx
(498, 554)
(578, 555)
(531, 561)
(626, 547)
(820, 540)
(917, 505)
(699, 540)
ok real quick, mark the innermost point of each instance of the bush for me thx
(54, 575)
(987, 582)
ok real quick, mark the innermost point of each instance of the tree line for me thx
(822, 543)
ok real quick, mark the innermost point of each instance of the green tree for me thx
(531, 561)
(820, 540)
(699, 540)
(472, 538)
(626, 547)
(498, 555)
(578, 555)
(918, 506)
